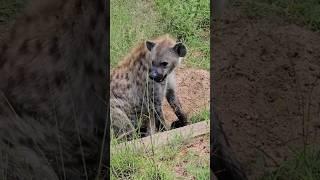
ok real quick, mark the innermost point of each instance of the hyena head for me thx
(165, 55)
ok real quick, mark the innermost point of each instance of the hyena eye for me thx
(164, 64)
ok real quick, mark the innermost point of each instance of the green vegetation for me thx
(190, 20)
(158, 164)
(306, 12)
(132, 164)
(304, 166)
(131, 22)
(9, 9)
(134, 21)
(203, 115)
(197, 166)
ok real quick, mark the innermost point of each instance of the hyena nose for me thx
(153, 74)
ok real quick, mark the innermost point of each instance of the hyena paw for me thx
(178, 123)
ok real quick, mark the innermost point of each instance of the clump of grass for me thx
(168, 153)
(159, 172)
(132, 163)
(306, 12)
(198, 167)
(185, 18)
(202, 115)
(189, 20)
(131, 22)
(125, 164)
(304, 166)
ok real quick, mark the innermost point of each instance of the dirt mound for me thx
(266, 88)
(193, 90)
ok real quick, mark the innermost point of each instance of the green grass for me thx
(131, 22)
(134, 21)
(304, 166)
(198, 166)
(159, 164)
(203, 115)
(133, 164)
(190, 20)
(306, 12)
(9, 9)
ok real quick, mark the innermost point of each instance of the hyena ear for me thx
(150, 45)
(180, 49)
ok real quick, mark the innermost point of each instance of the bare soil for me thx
(266, 88)
(200, 147)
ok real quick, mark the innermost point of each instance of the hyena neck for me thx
(137, 61)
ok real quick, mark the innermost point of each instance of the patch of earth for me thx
(200, 147)
(266, 88)
(193, 91)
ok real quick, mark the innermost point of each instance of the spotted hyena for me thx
(140, 83)
(52, 91)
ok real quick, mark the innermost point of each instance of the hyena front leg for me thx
(176, 106)
(175, 103)
(157, 120)
(159, 117)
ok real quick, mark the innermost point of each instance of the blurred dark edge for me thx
(223, 164)
(107, 150)
(106, 58)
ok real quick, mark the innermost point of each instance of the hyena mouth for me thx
(157, 79)
(163, 78)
